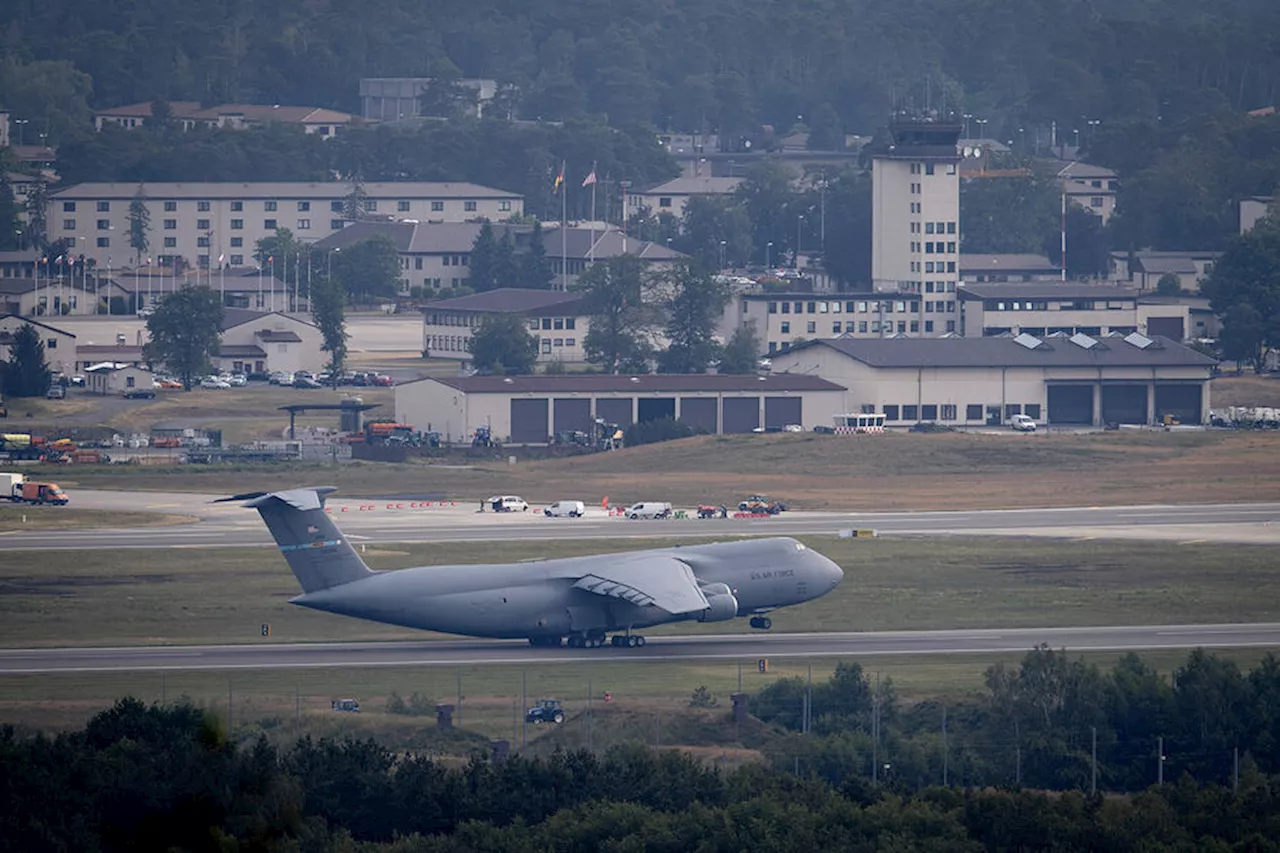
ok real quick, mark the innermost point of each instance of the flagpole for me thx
(259, 305)
(564, 231)
(591, 252)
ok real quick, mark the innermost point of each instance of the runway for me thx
(744, 647)
(399, 520)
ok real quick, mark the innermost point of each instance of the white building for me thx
(531, 409)
(672, 196)
(915, 239)
(1254, 208)
(1077, 380)
(59, 345)
(257, 342)
(1054, 307)
(1145, 269)
(197, 223)
(111, 378)
(392, 99)
(1093, 188)
(555, 318)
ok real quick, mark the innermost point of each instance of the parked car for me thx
(305, 382)
(214, 382)
(56, 392)
(139, 394)
(571, 509)
(383, 381)
(281, 377)
(259, 376)
(508, 503)
(170, 384)
(1022, 423)
(649, 509)
(238, 380)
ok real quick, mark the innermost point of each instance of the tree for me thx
(621, 326)
(1244, 289)
(1008, 215)
(139, 225)
(26, 374)
(694, 302)
(536, 272)
(10, 225)
(716, 230)
(186, 332)
(37, 212)
(770, 200)
(355, 205)
(1168, 285)
(369, 269)
(503, 344)
(742, 353)
(484, 260)
(506, 267)
(825, 131)
(328, 302)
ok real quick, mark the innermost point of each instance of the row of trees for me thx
(162, 778)
(706, 64)
(1037, 725)
(630, 308)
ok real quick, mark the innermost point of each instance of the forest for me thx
(154, 777)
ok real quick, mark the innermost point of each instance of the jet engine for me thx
(722, 605)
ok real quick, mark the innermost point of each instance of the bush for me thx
(703, 698)
(652, 432)
(417, 706)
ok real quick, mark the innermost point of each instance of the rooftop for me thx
(177, 109)
(657, 383)
(1042, 290)
(272, 112)
(997, 263)
(411, 237)
(21, 320)
(329, 190)
(507, 300)
(704, 185)
(1010, 352)
(232, 317)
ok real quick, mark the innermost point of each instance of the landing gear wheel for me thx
(632, 641)
(575, 642)
(615, 641)
(639, 641)
(761, 623)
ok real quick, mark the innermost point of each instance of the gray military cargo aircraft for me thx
(584, 599)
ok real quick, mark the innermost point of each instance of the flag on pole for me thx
(555, 188)
(222, 258)
(591, 178)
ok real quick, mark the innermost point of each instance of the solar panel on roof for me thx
(1028, 341)
(1137, 340)
(1084, 341)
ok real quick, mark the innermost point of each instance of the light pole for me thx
(723, 244)
(1076, 131)
(1093, 127)
(768, 251)
(22, 127)
(982, 130)
(966, 118)
(795, 261)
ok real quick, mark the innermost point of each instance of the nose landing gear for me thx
(628, 641)
(761, 623)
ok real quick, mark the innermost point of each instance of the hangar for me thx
(531, 409)
(1059, 380)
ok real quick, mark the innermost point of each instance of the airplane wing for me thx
(664, 582)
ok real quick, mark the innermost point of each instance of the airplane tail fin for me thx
(317, 552)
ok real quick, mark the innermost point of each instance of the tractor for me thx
(546, 711)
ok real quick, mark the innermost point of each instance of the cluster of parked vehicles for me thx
(755, 504)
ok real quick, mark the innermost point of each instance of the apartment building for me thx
(1093, 188)
(1145, 269)
(1049, 308)
(196, 224)
(784, 320)
(555, 318)
(672, 196)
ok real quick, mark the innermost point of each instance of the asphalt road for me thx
(686, 648)
(374, 521)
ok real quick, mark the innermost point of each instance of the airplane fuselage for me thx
(540, 599)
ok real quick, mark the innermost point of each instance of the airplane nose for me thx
(835, 573)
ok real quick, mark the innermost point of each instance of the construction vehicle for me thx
(760, 504)
(38, 493)
(712, 511)
(484, 438)
(390, 433)
(20, 445)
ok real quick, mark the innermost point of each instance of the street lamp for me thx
(768, 250)
(982, 130)
(723, 244)
(22, 126)
(966, 118)
(795, 261)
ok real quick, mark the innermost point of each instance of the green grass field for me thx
(893, 471)
(18, 517)
(193, 595)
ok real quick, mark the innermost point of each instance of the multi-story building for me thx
(392, 99)
(1092, 187)
(1055, 308)
(556, 319)
(915, 239)
(1008, 268)
(195, 224)
(1145, 269)
(190, 114)
(784, 320)
(672, 196)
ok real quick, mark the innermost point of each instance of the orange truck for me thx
(32, 492)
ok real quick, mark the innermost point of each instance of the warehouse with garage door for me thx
(1060, 380)
(532, 409)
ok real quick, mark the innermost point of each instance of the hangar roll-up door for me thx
(655, 408)
(1070, 404)
(699, 413)
(1124, 404)
(1168, 327)
(529, 421)
(1182, 401)
(780, 411)
(572, 413)
(614, 410)
(740, 414)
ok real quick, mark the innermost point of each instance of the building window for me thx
(973, 412)
(571, 342)
(570, 322)
(948, 412)
(335, 224)
(504, 206)
(51, 343)
(171, 242)
(237, 260)
(104, 206)
(909, 413)
(304, 224)
(951, 228)
(437, 206)
(786, 308)
(546, 346)
(951, 248)
(928, 326)
(269, 206)
(558, 323)
(811, 328)
(371, 206)
(68, 207)
(202, 242)
(469, 206)
(1032, 410)
(664, 201)
(1011, 409)
(928, 412)
(835, 327)
(68, 225)
(202, 206)
(269, 224)
(237, 225)
(335, 207)
(237, 206)
(104, 242)
(928, 227)
(951, 325)
(104, 224)
(202, 224)
(304, 206)
(559, 342)
(890, 413)
(170, 206)
(402, 206)
(237, 242)
(928, 168)
(786, 327)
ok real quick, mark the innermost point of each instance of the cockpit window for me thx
(799, 546)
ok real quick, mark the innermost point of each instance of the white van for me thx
(508, 503)
(571, 509)
(1022, 423)
(649, 509)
